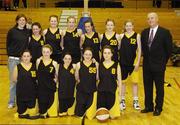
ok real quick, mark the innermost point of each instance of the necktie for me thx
(150, 38)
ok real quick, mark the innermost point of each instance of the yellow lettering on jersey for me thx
(95, 40)
(92, 69)
(133, 41)
(57, 36)
(113, 42)
(51, 69)
(113, 71)
(33, 73)
(72, 71)
(42, 42)
(75, 34)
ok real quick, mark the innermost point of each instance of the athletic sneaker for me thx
(122, 105)
(136, 104)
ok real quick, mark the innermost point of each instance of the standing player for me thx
(17, 42)
(86, 75)
(111, 38)
(53, 38)
(47, 73)
(26, 89)
(66, 78)
(110, 83)
(36, 42)
(91, 39)
(130, 54)
(71, 39)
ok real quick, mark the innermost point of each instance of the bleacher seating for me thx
(167, 18)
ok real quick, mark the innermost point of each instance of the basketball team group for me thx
(55, 72)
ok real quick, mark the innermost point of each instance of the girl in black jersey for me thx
(26, 89)
(36, 42)
(111, 38)
(130, 54)
(71, 39)
(66, 78)
(110, 83)
(86, 76)
(53, 38)
(47, 75)
(91, 39)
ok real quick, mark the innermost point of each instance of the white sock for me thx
(122, 97)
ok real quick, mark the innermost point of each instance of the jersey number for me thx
(113, 42)
(92, 70)
(51, 69)
(57, 36)
(33, 73)
(95, 40)
(113, 71)
(75, 34)
(133, 41)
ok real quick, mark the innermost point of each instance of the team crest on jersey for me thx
(95, 40)
(113, 71)
(33, 73)
(92, 69)
(57, 36)
(113, 42)
(133, 41)
(72, 71)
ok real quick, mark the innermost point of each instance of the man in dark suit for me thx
(156, 48)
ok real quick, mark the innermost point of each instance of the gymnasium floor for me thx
(169, 116)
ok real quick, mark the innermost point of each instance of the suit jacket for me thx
(156, 57)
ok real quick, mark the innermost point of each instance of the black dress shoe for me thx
(156, 112)
(146, 110)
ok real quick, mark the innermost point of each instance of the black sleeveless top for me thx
(128, 50)
(67, 81)
(108, 78)
(72, 42)
(46, 75)
(54, 40)
(113, 42)
(35, 47)
(26, 83)
(87, 76)
(94, 44)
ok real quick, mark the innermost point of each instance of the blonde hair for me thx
(48, 46)
(71, 17)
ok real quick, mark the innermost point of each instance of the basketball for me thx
(102, 114)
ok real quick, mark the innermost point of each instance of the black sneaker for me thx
(23, 116)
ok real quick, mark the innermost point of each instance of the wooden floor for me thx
(169, 116)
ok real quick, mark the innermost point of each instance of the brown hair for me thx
(20, 16)
(26, 50)
(127, 21)
(55, 16)
(107, 47)
(110, 20)
(37, 24)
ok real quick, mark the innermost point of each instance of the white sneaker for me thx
(122, 105)
(10, 106)
(136, 104)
